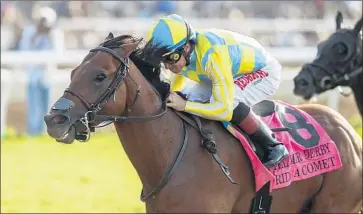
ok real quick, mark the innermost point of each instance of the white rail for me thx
(239, 25)
(13, 64)
(287, 56)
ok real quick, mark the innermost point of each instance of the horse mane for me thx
(146, 57)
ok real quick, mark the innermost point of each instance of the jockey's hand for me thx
(176, 102)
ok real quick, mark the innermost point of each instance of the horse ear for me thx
(110, 36)
(128, 48)
(358, 26)
(338, 20)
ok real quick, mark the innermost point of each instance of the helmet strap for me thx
(187, 55)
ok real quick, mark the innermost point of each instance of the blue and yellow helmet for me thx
(171, 31)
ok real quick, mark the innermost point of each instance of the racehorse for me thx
(119, 81)
(338, 63)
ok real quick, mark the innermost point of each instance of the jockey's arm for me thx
(219, 69)
(177, 82)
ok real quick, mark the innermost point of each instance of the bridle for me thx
(332, 78)
(88, 120)
(91, 117)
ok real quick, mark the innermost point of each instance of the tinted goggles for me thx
(173, 57)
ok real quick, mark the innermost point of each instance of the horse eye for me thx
(341, 49)
(100, 77)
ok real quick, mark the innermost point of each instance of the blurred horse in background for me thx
(119, 81)
(338, 63)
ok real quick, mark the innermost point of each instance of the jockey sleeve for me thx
(177, 82)
(218, 69)
(219, 57)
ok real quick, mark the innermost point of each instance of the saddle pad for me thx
(311, 150)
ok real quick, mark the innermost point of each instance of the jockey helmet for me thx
(171, 31)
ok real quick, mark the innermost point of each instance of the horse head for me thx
(338, 60)
(104, 87)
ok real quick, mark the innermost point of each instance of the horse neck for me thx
(150, 145)
(356, 86)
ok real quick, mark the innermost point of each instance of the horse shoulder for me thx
(232, 153)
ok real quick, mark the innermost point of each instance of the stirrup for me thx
(275, 144)
(209, 145)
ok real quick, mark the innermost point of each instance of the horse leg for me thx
(342, 189)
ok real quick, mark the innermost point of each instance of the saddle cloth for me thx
(311, 151)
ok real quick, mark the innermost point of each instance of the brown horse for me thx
(121, 77)
(338, 63)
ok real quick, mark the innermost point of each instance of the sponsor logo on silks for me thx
(247, 79)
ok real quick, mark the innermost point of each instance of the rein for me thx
(170, 172)
(331, 80)
(91, 115)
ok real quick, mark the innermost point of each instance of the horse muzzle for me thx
(60, 124)
(60, 128)
(303, 87)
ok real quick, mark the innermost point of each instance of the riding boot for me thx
(259, 132)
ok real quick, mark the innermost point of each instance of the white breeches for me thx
(249, 89)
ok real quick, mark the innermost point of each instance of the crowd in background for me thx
(15, 15)
(205, 9)
(27, 25)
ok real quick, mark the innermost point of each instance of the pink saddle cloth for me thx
(311, 151)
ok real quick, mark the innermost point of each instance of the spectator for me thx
(165, 7)
(62, 8)
(37, 37)
(320, 8)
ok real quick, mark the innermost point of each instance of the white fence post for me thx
(333, 99)
(6, 83)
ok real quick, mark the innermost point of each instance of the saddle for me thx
(263, 108)
(262, 200)
(311, 151)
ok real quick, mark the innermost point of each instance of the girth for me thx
(207, 142)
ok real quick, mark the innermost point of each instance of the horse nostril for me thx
(303, 82)
(59, 119)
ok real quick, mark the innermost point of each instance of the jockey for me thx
(229, 72)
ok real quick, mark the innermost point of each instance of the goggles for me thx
(173, 57)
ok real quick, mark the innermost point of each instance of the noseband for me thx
(91, 116)
(116, 82)
(332, 78)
